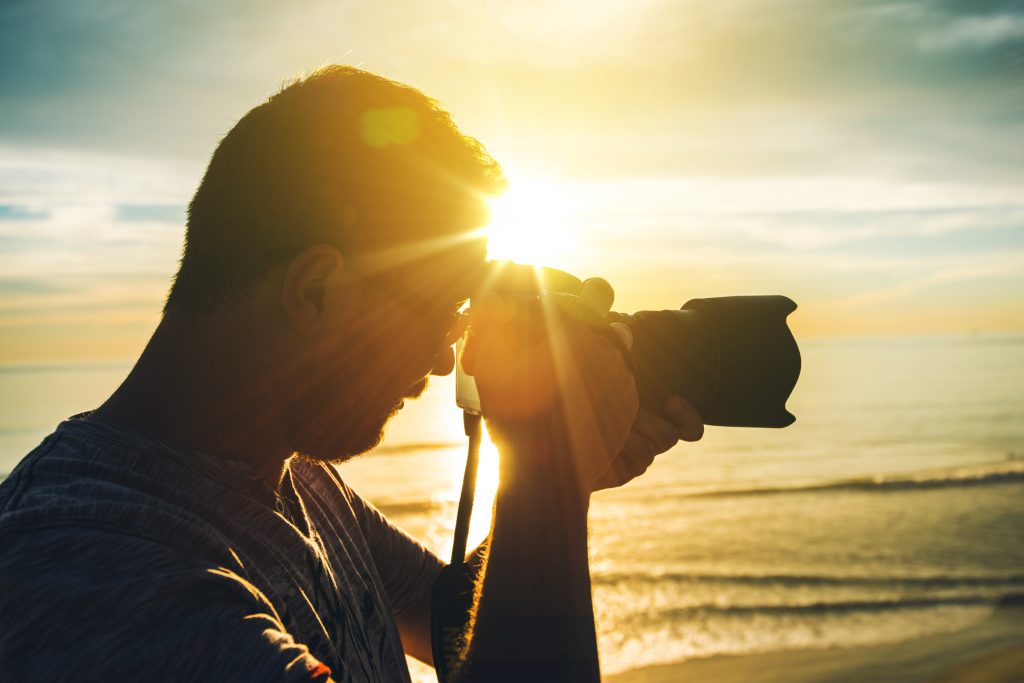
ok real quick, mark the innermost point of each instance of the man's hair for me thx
(340, 156)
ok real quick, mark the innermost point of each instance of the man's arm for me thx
(652, 435)
(534, 616)
(532, 526)
(407, 569)
(559, 407)
(414, 624)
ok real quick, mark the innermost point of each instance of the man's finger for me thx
(685, 417)
(625, 334)
(636, 456)
(444, 362)
(597, 294)
(659, 431)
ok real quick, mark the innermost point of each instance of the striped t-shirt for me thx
(127, 557)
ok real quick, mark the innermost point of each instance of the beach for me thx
(991, 652)
(876, 539)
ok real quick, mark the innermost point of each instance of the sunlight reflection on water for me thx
(890, 509)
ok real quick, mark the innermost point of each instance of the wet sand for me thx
(990, 652)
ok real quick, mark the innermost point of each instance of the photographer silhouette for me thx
(192, 526)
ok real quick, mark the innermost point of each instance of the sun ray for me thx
(531, 222)
(486, 489)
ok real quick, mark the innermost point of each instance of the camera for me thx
(733, 358)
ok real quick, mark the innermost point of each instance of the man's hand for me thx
(651, 436)
(558, 397)
(560, 402)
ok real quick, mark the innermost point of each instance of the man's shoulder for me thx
(142, 544)
(60, 573)
(96, 604)
(68, 557)
(83, 477)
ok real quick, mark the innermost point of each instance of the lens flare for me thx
(531, 223)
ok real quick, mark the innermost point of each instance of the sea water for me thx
(892, 508)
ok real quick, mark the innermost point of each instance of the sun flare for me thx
(531, 223)
(486, 489)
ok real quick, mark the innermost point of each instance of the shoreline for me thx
(989, 652)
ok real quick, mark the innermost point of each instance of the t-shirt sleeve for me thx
(81, 604)
(407, 568)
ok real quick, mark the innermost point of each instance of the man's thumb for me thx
(625, 334)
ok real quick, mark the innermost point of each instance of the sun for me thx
(530, 223)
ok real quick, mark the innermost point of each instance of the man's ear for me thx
(310, 279)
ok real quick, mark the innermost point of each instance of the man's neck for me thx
(196, 385)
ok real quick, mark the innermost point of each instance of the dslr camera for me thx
(733, 358)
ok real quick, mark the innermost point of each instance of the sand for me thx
(990, 652)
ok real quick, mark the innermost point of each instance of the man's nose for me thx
(444, 362)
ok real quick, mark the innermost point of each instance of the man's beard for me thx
(358, 430)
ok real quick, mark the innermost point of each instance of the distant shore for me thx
(990, 652)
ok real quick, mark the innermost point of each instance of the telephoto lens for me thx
(733, 358)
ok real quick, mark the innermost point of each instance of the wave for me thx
(399, 449)
(986, 475)
(837, 607)
(416, 507)
(997, 473)
(803, 580)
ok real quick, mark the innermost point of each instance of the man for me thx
(190, 528)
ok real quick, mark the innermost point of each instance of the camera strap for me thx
(452, 597)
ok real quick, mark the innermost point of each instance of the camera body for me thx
(733, 358)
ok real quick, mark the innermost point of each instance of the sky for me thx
(864, 158)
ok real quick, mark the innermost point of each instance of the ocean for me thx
(892, 508)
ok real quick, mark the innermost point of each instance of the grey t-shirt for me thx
(126, 557)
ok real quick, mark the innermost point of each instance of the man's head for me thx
(343, 211)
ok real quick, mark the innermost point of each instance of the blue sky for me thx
(865, 158)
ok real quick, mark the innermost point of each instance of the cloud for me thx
(150, 213)
(957, 230)
(973, 33)
(659, 87)
(828, 150)
(993, 268)
(24, 285)
(10, 212)
(42, 178)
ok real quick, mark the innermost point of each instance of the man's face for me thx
(360, 374)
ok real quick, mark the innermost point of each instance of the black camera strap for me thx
(452, 595)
